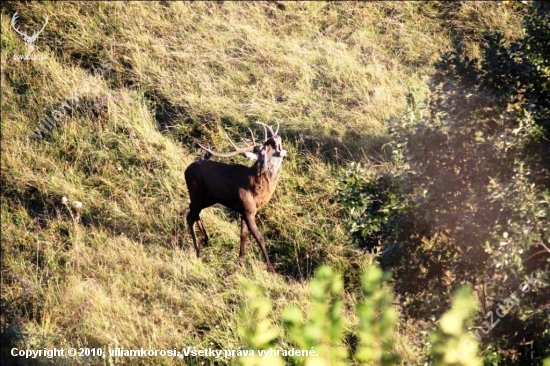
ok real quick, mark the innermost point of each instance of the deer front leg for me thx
(244, 237)
(249, 219)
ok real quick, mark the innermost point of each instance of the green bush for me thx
(451, 345)
(324, 330)
(375, 331)
(260, 335)
(322, 334)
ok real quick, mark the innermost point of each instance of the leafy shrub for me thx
(323, 331)
(375, 331)
(261, 334)
(451, 344)
(371, 202)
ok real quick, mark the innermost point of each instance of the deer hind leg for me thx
(192, 218)
(249, 219)
(204, 240)
(244, 238)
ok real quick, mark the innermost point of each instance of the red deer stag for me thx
(241, 188)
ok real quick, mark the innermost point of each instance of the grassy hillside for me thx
(121, 272)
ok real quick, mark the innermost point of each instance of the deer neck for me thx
(265, 177)
(269, 170)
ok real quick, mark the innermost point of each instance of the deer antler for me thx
(265, 130)
(238, 150)
(277, 127)
(252, 134)
(227, 155)
(13, 19)
(267, 127)
(36, 34)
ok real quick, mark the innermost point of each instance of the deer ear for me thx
(251, 156)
